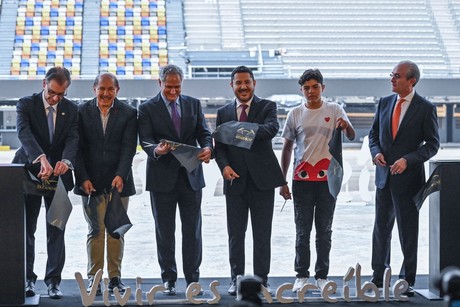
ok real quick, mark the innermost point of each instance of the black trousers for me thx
(388, 207)
(164, 212)
(55, 241)
(260, 203)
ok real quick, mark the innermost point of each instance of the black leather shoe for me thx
(90, 287)
(30, 288)
(232, 289)
(54, 292)
(115, 282)
(170, 288)
(409, 292)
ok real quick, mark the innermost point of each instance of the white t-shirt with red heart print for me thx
(311, 130)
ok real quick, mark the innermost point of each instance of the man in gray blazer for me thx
(251, 176)
(178, 118)
(403, 136)
(47, 129)
(108, 139)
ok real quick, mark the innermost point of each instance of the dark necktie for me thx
(243, 115)
(396, 117)
(50, 122)
(175, 117)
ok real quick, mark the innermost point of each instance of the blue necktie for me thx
(175, 117)
(50, 122)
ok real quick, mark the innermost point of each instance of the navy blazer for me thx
(417, 141)
(155, 124)
(32, 127)
(260, 161)
(101, 156)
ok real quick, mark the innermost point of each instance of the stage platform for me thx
(72, 297)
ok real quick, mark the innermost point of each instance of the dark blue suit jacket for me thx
(417, 141)
(155, 124)
(32, 127)
(103, 156)
(260, 161)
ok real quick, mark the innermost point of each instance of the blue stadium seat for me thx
(161, 30)
(67, 63)
(70, 22)
(79, 5)
(104, 22)
(154, 46)
(29, 22)
(35, 47)
(76, 47)
(153, 5)
(121, 71)
(51, 55)
(24, 63)
(121, 30)
(129, 13)
(60, 39)
(44, 31)
(19, 39)
(112, 47)
(54, 13)
(145, 22)
(137, 39)
(146, 63)
(129, 54)
(113, 5)
(38, 5)
(41, 70)
(103, 62)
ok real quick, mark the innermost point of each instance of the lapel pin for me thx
(62, 113)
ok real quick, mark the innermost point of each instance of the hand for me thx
(398, 167)
(379, 160)
(205, 155)
(87, 187)
(229, 174)
(284, 191)
(343, 124)
(118, 183)
(60, 168)
(45, 169)
(162, 149)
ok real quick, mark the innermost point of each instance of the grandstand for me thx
(279, 39)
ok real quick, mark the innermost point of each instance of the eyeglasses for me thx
(52, 94)
(396, 76)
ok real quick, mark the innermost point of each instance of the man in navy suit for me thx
(403, 136)
(108, 139)
(179, 118)
(47, 129)
(251, 176)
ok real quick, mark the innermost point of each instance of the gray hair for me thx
(412, 72)
(106, 74)
(171, 69)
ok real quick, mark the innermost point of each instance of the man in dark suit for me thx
(251, 176)
(108, 139)
(403, 136)
(179, 118)
(47, 129)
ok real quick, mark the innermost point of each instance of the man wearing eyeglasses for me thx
(47, 129)
(403, 136)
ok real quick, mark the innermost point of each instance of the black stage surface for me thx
(72, 297)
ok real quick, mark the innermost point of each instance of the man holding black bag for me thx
(47, 130)
(108, 139)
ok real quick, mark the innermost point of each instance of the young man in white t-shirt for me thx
(310, 127)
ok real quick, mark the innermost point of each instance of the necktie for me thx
(50, 119)
(175, 117)
(243, 115)
(396, 117)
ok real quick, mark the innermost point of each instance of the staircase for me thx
(7, 33)
(90, 39)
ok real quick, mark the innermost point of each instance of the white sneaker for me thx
(320, 283)
(299, 283)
